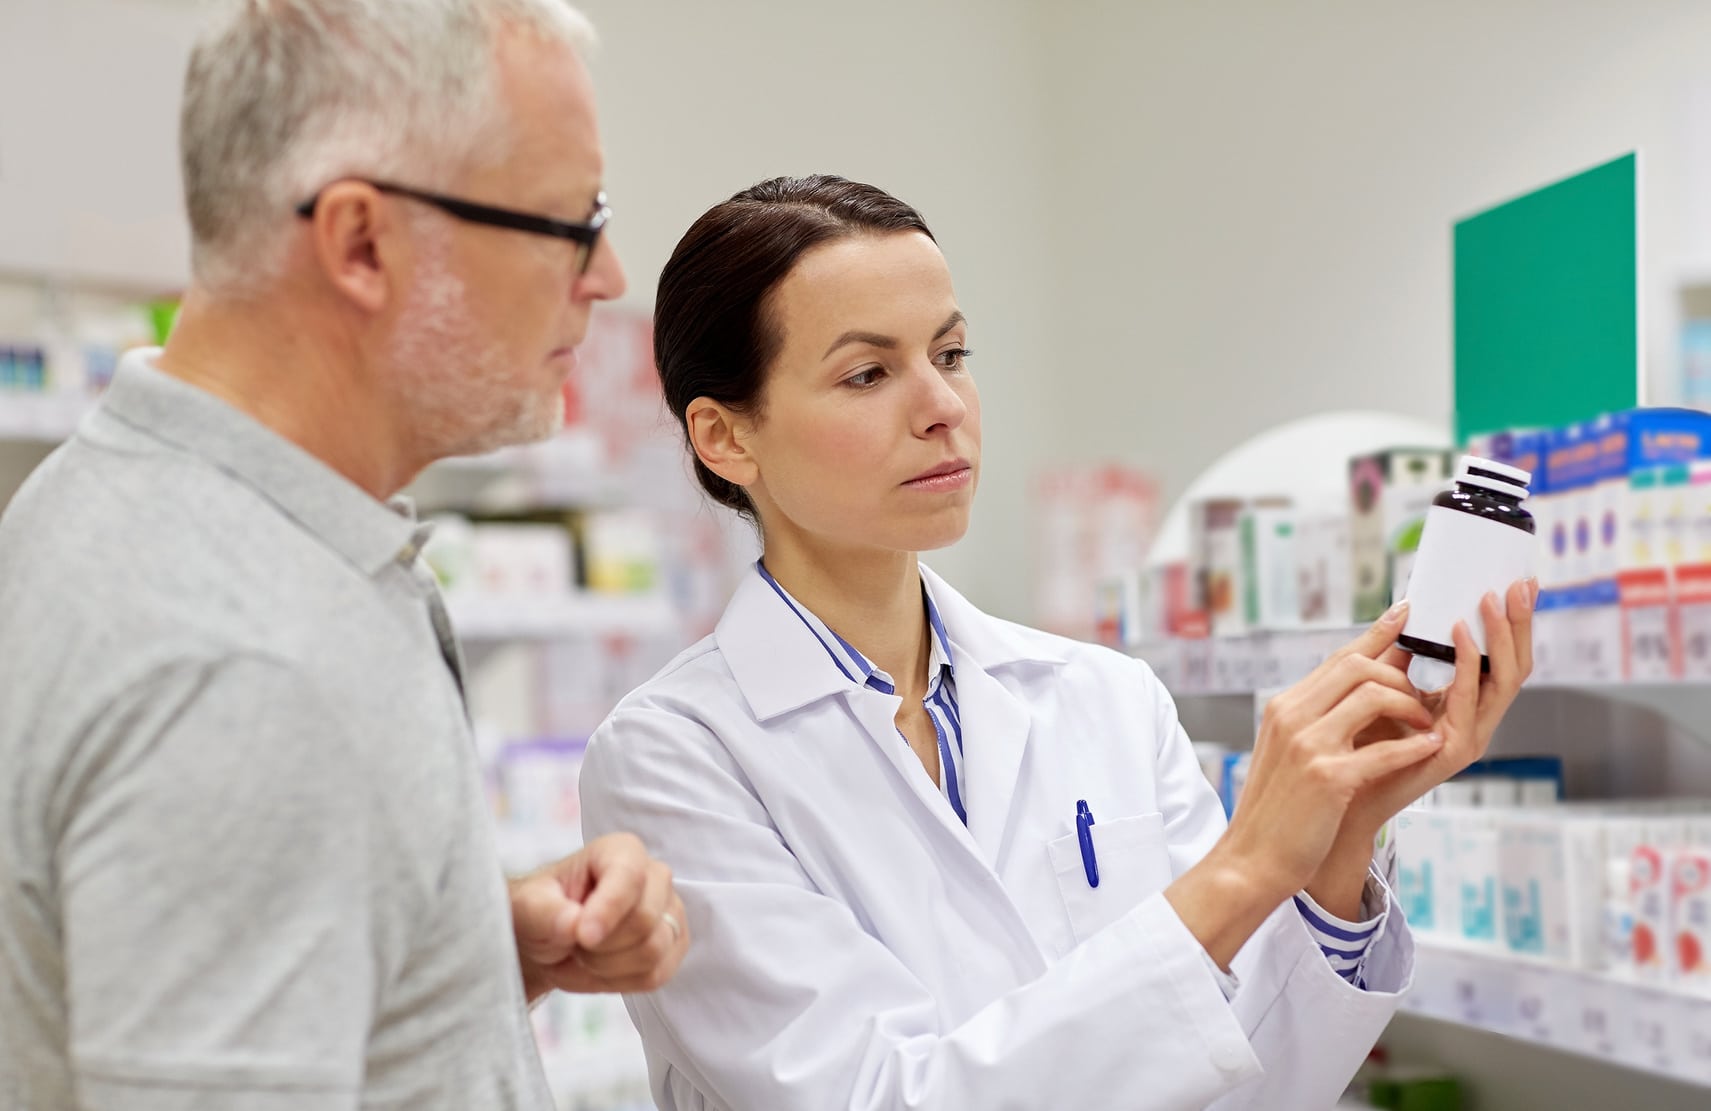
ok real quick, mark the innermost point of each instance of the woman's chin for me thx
(941, 534)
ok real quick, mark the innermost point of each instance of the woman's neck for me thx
(872, 599)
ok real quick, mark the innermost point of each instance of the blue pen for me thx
(1084, 833)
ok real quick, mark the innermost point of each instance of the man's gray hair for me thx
(284, 96)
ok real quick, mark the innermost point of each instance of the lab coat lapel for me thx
(877, 713)
(995, 722)
(995, 728)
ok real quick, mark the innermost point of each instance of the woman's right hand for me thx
(1306, 770)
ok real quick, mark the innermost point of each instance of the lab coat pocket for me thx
(1133, 864)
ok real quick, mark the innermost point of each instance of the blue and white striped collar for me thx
(856, 667)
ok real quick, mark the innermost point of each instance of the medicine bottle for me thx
(1478, 539)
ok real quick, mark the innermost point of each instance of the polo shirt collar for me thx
(367, 532)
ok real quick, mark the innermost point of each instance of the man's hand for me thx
(604, 919)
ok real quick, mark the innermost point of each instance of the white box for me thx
(1324, 585)
(1479, 870)
(522, 560)
(1427, 883)
(1553, 887)
(1690, 917)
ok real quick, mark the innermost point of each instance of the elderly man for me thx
(246, 856)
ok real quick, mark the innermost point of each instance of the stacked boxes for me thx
(1622, 888)
(1625, 540)
(1622, 506)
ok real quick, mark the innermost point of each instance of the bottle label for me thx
(1461, 558)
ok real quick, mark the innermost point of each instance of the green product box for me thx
(1389, 492)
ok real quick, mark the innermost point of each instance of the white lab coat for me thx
(855, 946)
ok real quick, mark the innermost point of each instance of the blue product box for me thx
(1571, 468)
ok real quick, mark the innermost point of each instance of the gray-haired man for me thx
(246, 855)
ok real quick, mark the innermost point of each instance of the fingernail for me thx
(1533, 593)
(1394, 613)
(1434, 738)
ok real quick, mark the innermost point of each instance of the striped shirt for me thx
(940, 700)
(1344, 944)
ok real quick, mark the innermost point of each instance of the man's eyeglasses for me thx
(585, 236)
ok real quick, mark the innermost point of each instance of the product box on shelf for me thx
(1322, 568)
(1650, 637)
(1428, 885)
(1215, 536)
(1168, 604)
(1119, 619)
(1622, 888)
(1690, 915)
(1390, 492)
(1270, 598)
(1609, 502)
(523, 560)
(1648, 890)
(1656, 533)
(1693, 620)
(1479, 868)
(1552, 869)
(1599, 632)
(1565, 499)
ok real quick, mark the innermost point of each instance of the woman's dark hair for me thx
(712, 333)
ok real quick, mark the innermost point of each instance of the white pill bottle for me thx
(1477, 538)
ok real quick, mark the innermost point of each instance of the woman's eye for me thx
(953, 358)
(865, 378)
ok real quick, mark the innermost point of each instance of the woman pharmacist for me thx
(936, 860)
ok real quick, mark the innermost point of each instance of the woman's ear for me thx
(718, 435)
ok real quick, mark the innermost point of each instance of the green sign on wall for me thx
(1547, 305)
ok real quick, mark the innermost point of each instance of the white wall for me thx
(938, 103)
(1256, 197)
(89, 183)
(1173, 224)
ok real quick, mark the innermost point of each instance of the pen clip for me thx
(1084, 834)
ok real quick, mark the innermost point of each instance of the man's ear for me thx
(359, 243)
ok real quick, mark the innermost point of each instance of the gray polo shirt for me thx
(245, 855)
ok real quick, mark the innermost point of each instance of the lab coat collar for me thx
(777, 661)
(758, 622)
(988, 642)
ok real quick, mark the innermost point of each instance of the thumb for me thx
(544, 918)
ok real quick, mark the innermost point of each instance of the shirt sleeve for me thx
(1344, 943)
(214, 896)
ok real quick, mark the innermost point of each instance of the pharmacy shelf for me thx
(1244, 665)
(1239, 665)
(1636, 1025)
(569, 470)
(480, 619)
(40, 418)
